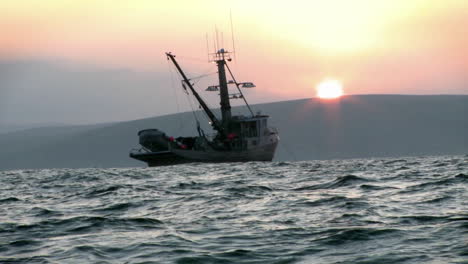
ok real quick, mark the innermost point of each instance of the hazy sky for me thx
(86, 61)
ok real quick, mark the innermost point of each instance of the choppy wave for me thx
(411, 210)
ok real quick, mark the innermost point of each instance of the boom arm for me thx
(214, 121)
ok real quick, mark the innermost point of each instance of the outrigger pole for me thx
(214, 121)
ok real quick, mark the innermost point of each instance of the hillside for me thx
(353, 127)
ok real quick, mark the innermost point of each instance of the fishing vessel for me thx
(237, 138)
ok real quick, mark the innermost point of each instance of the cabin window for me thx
(253, 129)
(250, 129)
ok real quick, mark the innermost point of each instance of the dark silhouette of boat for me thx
(237, 138)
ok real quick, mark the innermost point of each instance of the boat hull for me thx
(180, 156)
(160, 158)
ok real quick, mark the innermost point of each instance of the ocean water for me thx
(408, 210)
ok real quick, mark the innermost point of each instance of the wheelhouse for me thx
(247, 132)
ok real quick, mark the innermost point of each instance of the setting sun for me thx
(329, 89)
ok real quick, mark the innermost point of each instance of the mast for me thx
(223, 89)
(220, 58)
(214, 121)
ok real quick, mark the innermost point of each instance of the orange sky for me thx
(286, 47)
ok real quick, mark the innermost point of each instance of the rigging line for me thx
(203, 112)
(237, 85)
(202, 76)
(197, 79)
(181, 124)
(206, 70)
(191, 103)
(195, 112)
(205, 73)
(191, 106)
(190, 58)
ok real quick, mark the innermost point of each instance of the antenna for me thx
(232, 36)
(207, 47)
(214, 43)
(217, 39)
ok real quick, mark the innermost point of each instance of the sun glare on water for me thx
(329, 89)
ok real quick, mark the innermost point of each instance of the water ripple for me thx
(407, 210)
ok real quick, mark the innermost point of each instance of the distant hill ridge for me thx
(358, 126)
